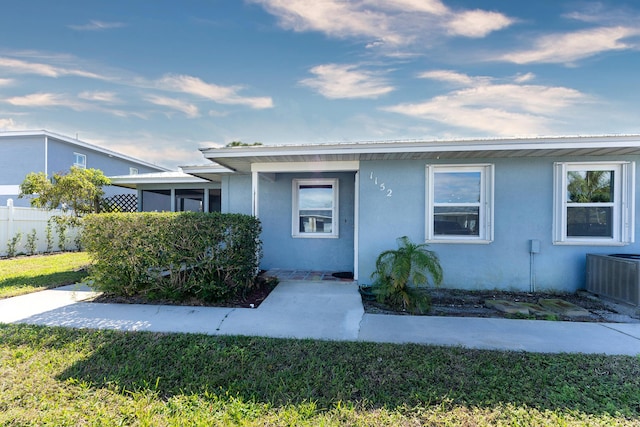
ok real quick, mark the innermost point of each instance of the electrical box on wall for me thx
(534, 246)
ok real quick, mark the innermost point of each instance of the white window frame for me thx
(295, 215)
(486, 204)
(623, 227)
(133, 171)
(83, 160)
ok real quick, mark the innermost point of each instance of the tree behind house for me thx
(77, 193)
(79, 190)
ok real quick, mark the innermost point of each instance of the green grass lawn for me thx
(23, 275)
(57, 376)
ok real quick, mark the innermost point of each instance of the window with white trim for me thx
(133, 171)
(594, 203)
(80, 160)
(459, 203)
(315, 208)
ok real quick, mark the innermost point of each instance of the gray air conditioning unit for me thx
(615, 276)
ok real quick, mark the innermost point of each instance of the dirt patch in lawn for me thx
(463, 303)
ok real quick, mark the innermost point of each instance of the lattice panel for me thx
(120, 203)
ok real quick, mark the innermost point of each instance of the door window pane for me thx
(315, 207)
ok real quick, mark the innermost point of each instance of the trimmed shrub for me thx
(208, 256)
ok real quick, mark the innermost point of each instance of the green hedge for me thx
(208, 256)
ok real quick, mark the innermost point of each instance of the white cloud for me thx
(8, 124)
(434, 7)
(384, 23)
(47, 99)
(43, 99)
(523, 78)
(220, 94)
(154, 148)
(604, 14)
(498, 109)
(100, 96)
(94, 25)
(449, 76)
(337, 81)
(477, 23)
(336, 18)
(6, 82)
(570, 47)
(189, 110)
(174, 83)
(19, 66)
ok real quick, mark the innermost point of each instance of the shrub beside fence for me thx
(209, 256)
(26, 230)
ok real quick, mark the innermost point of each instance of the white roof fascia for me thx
(131, 181)
(631, 141)
(156, 180)
(213, 168)
(83, 144)
(333, 166)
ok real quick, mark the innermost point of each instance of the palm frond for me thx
(401, 271)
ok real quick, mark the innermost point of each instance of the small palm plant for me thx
(400, 274)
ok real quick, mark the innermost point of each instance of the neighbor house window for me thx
(315, 208)
(594, 203)
(80, 160)
(133, 171)
(459, 203)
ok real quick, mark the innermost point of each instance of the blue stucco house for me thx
(505, 213)
(511, 214)
(22, 152)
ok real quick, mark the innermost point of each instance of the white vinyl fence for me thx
(21, 222)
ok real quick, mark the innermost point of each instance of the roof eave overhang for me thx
(132, 181)
(207, 172)
(241, 158)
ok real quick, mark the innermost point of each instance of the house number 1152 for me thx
(388, 192)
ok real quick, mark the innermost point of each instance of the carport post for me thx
(254, 193)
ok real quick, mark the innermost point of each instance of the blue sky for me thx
(158, 79)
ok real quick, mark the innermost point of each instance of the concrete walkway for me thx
(321, 310)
